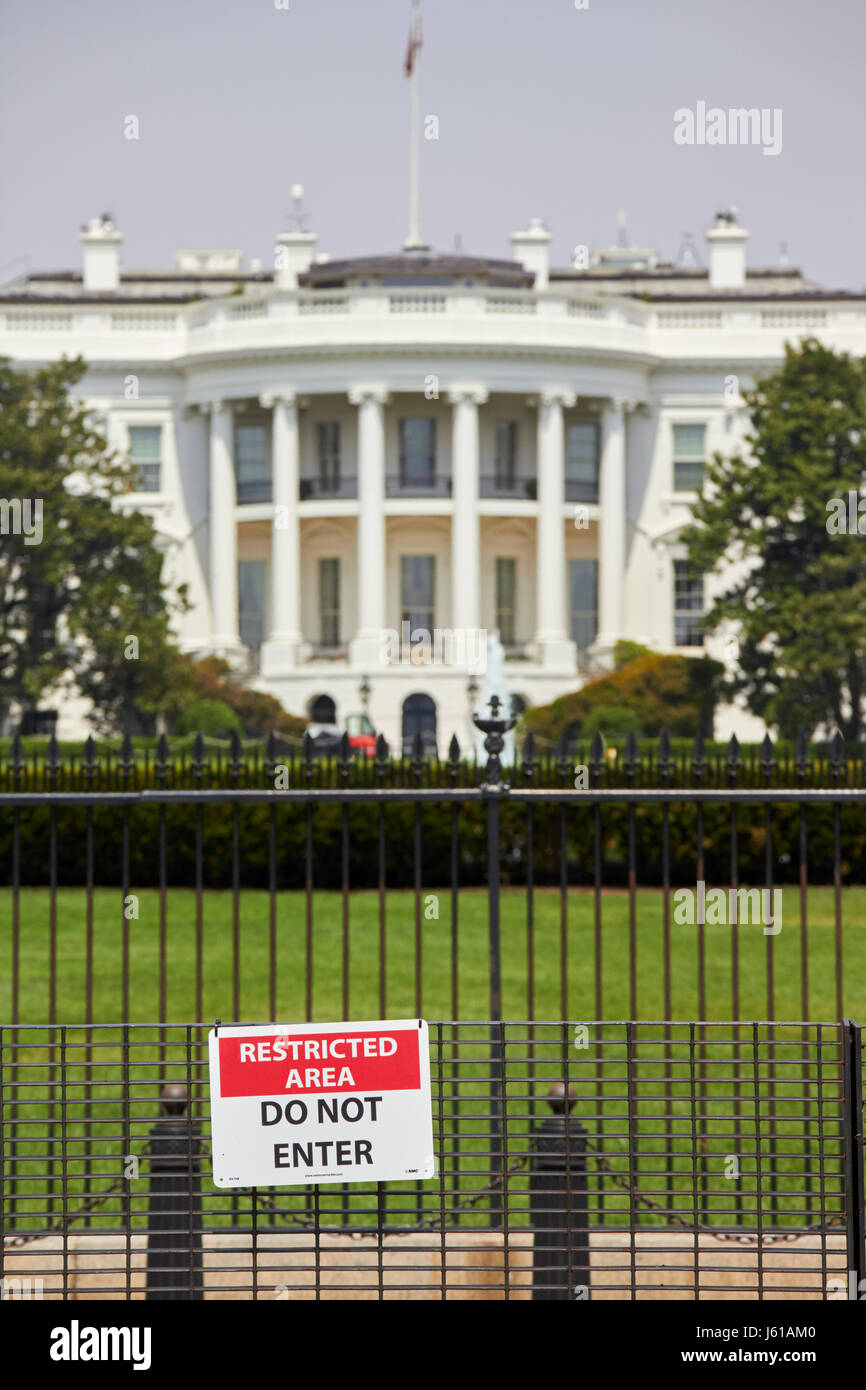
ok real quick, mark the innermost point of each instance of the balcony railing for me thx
(436, 485)
(580, 491)
(256, 491)
(513, 488)
(314, 489)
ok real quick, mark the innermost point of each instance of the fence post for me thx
(558, 1204)
(494, 730)
(174, 1255)
(855, 1216)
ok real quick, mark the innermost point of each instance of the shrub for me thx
(214, 718)
(676, 693)
(613, 721)
(624, 652)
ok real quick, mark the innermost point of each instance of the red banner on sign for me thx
(273, 1064)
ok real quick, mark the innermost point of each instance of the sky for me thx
(544, 110)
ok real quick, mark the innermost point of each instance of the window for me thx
(329, 455)
(145, 452)
(419, 718)
(505, 457)
(688, 458)
(252, 467)
(506, 588)
(329, 602)
(417, 453)
(417, 589)
(581, 463)
(323, 710)
(252, 587)
(583, 581)
(688, 606)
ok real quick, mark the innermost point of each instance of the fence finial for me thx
(559, 1101)
(494, 730)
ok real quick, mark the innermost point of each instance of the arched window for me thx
(419, 717)
(323, 710)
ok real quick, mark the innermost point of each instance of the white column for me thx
(554, 647)
(612, 533)
(281, 651)
(366, 646)
(225, 638)
(465, 536)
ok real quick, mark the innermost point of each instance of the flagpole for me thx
(413, 240)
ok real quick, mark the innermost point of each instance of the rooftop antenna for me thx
(458, 244)
(297, 216)
(621, 232)
(783, 253)
(413, 241)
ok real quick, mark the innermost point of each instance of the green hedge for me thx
(290, 828)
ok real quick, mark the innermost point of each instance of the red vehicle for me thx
(362, 737)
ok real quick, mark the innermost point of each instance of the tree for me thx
(799, 600)
(82, 599)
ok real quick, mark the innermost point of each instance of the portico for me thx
(462, 424)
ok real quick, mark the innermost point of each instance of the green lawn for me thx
(436, 957)
(94, 1095)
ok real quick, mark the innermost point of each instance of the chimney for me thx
(726, 244)
(295, 249)
(532, 249)
(100, 244)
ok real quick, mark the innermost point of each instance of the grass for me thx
(96, 1098)
(363, 957)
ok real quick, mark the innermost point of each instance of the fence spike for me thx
(837, 748)
(630, 748)
(529, 748)
(381, 748)
(596, 749)
(454, 749)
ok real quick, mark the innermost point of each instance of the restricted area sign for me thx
(320, 1102)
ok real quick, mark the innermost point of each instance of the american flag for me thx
(414, 40)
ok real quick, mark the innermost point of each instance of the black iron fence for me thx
(194, 761)
(574, 1160)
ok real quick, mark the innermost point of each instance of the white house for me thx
(332, 449)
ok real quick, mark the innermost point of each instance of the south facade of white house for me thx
(340, 453)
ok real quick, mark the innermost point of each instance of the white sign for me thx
(300, 1103)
